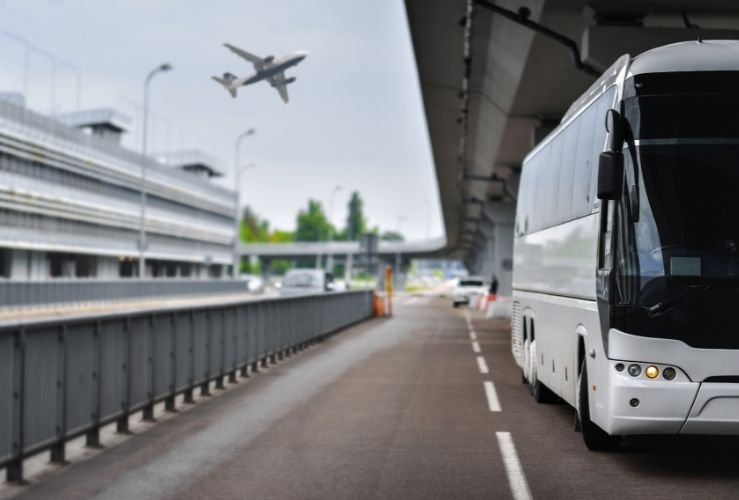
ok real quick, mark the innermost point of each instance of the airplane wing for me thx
(278, 82)
(258, 62)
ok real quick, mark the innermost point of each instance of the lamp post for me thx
(142, 230)
(236, 260)
(330, 259)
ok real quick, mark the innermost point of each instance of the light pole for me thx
(142, 230)
(236, 259)
(330, 259)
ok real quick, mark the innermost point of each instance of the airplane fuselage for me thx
(275, 67)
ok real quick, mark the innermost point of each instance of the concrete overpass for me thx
(493, 86)
(397, 252)
(338, 248)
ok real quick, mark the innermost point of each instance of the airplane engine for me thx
(290, 80)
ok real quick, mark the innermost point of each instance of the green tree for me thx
(356, 224)
(279, 236)
(254, 229)
(312, 223)
(392, 236)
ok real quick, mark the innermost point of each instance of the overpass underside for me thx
(493, 87)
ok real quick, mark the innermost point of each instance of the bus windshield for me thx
(678, 222)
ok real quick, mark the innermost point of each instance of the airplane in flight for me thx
(270, 69)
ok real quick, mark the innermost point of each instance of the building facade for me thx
(70, 203)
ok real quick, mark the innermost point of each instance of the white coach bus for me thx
(626, 259)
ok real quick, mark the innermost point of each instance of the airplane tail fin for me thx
(226, 82)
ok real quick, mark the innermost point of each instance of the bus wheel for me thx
(596, 439)
(542, 394)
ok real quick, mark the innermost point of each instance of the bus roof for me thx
(709, 55)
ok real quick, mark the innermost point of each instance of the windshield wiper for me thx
(665, 305)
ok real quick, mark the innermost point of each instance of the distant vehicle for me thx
(340, 286)
(626, 271)
(269, 69)
(306, 281)
(467, 290)
(254, 283)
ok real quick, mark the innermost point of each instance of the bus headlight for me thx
(669, 373)
(634, 370)
(651, 371)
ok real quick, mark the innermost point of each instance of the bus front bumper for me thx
(684, 405)
(641, 406)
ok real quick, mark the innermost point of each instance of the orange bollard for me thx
(378, 305)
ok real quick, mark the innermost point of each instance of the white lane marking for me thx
(476, 347)
(492, 396)
(514, 470)
(482, 365)
(473, 335)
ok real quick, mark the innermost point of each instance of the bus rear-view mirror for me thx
(610, 175)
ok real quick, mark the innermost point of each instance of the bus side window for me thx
(537, 218)
(565, 211)
(553, 169)
(584, 163)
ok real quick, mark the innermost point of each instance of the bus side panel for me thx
(557, 322)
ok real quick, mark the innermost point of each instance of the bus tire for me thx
(596, 439)
(542, 394)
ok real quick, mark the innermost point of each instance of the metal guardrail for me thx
(26, 294)
(65, 378)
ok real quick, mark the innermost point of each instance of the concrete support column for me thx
(498, 229)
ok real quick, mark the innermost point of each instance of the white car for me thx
(306, 281)
(468, 290)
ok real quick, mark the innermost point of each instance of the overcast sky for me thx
(355, 116)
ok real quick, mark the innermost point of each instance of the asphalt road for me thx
(395, 408)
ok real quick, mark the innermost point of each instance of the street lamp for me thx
(142, 231)
(236, 259)
(330, 260)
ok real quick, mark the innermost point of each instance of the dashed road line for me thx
(473, 335)
(514, 470)
(476, 347)
(482, 365)
(492, 396)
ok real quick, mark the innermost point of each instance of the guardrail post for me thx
(281, 329)
(121, 424)
(272, 322)
(253, 325)
(58, 449)
(170, 402)
(263, 333)
(243, 330)
(92, 436)
(188, 395)
(205, 386)
(234, 343)
(14, 469)
(221, 350)
(147, 415)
